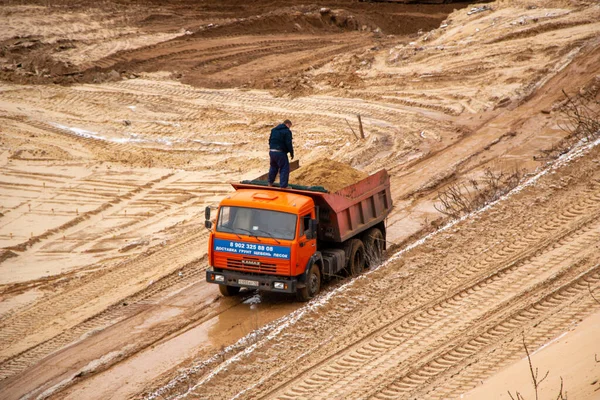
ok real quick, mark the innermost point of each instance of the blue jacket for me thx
(281, 139)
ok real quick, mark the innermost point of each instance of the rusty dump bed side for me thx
(349, 211)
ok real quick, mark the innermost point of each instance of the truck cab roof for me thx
(268, 199)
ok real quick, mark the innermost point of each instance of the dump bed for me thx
(347, 212)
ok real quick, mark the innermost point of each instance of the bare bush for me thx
(580, 119)
(461, 198)
(581, 115)
(536, 380)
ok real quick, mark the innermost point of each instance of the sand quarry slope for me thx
(120, 122)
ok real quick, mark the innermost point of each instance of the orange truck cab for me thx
(288, 240)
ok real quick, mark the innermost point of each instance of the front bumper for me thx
(263, 282)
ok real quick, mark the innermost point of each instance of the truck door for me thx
(306, 247)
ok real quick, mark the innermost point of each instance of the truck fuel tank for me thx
(334, 260)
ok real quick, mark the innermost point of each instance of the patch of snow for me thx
(132, 138)
(81, 132)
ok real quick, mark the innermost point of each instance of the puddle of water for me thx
(256, 310)
(233, 321)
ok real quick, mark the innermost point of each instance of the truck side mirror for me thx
(207, 222)
(312, 229)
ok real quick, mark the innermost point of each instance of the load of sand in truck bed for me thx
(332, 175)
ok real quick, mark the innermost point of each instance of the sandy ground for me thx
(121, 122)
(568, 357)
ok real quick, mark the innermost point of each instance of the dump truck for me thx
(291, 240)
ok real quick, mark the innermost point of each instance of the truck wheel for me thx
(374, 245)
(229, 290)
(313, 284)
(356, 257)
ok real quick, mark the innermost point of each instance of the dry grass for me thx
(581, 115)
(460, 198)
(579, 118)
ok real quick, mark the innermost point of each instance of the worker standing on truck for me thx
(280, 143)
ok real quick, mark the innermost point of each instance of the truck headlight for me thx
(219, 278)
(278, 285)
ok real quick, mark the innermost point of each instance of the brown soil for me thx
(257, 44)
(332, 175)
(104, 180)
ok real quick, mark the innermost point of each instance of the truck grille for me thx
(262, 267)
(252, 264)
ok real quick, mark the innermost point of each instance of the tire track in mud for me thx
(530, 260)
(17, 326)
(323, 56)
(115, 148)
(158, 135)
(112, 202)
(171, 52)
(557, 310)
(157, 198)
(193, 56)
(395, 344)
(230, 51)
(334, 109)
(380, 352)
(247, 56)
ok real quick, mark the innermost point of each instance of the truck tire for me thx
(356, 257)
(313, 284)
(374, 245)
(229, 290)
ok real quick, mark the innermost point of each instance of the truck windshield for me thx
(257, 222)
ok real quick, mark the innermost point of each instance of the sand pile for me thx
(332, 175)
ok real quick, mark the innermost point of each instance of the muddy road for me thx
(438, 318)
(120, 122)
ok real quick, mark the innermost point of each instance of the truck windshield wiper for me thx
(230, 230)
(249, 233)
(270, 235)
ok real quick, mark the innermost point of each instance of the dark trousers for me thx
(281, 164)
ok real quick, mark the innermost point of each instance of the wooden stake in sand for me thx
(362, 133)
